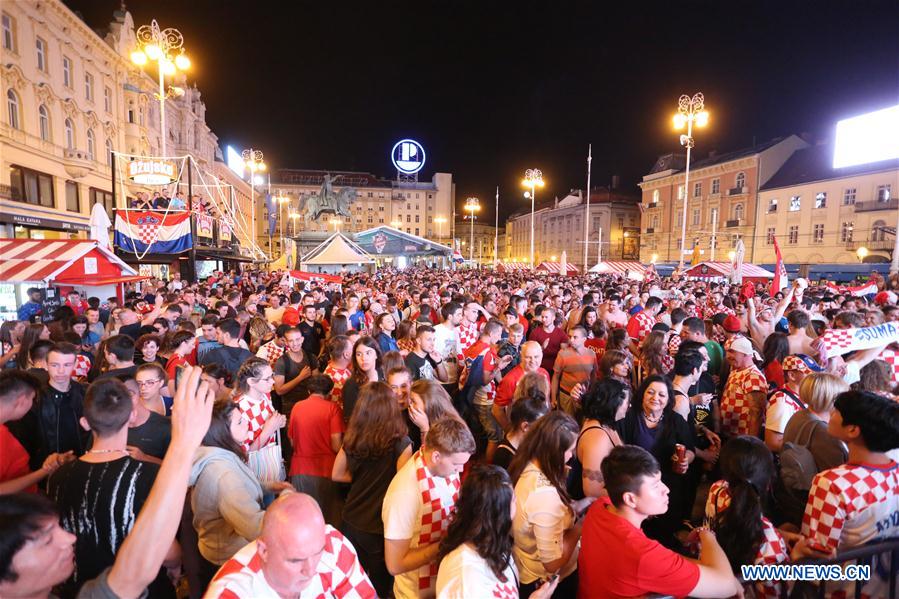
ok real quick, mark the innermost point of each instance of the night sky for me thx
(491, 88)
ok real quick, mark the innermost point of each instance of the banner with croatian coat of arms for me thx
(142, 232)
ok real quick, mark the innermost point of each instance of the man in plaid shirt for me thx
(297, 555)
(743, 400)
(641, 323)
(858, 501)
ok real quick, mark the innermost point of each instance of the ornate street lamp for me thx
(533, 178)
(690, 111)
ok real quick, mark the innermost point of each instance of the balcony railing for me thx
(880, 245)
(891, 204)
(734, 222)
(650, 230)
(735, 191)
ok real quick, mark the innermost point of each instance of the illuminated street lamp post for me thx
(689, 111)
(166, 48)
(336, 222)
(533, 179)
(253, 160)
(862, 253)
(472, 205)
(440, 220)
(281, 201)
(294, 216)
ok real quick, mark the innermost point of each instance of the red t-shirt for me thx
(551, 344)
(617, 560)
(13, 458)
(171, 367)
(506, 388)
(312, 422)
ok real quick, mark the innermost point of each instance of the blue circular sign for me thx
(408, 156)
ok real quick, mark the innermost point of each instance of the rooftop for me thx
(816, 164)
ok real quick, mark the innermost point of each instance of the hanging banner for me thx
(225, 231)
(204, 226)
(139, 231)
(152, 171)
(836, 342)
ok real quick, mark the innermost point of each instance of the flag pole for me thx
(496, 231)
(587, 213)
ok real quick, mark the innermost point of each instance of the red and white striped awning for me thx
(506, 266)
(626, 267)
(556, 268)
(46, 260)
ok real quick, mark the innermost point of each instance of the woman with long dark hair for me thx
(775, 349)
(367, 367)
(475, 555)
(652, 423)
(604, 404)
(735, 510)
(340, 325)
(615, 364)
(32, 333)
(11, 332)
(375, 447)
(544, 511)
(654, 357)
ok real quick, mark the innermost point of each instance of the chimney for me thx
(615, 181)
(556, 202)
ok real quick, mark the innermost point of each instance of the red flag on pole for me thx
(780, 272)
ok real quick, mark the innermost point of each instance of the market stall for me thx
(555, 268)
(629, 268)
(720, 271)
(337, 254)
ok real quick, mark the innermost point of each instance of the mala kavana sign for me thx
(152, 172)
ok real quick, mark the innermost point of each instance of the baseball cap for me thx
(744, 346)
(802, 363)
(732, 324)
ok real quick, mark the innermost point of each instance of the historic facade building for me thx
(72, 96)
(722, 202)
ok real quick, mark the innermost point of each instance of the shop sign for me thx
(408, 156)
(152, 171)
(42, 223)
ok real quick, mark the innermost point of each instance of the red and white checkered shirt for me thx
(782, 404)
(640, 325)
(891, 357)
(773, 549)
(270, 351)
(735, 406)
(256, 413)
(339, 575)
(468, 335)
(674, 344)
(82, 367)
(340, 376)
(722, 309)
(850, 505)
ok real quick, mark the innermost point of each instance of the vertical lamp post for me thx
(472, 205)
(165, 47)
(281, 201)
(254, 162)
(336, 222)
(294, 216)
(440, 220)
(690, 111)
(533, 178)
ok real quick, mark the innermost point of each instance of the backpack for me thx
(470, 381)
(797, 470)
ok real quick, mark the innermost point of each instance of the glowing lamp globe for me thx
(182, 62)
(138, 58)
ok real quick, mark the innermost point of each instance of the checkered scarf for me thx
(836, 342)
(435, 517)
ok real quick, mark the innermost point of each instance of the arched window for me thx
(12, 106)
(655, 196)
(91, 146)
(741, 180)
(43, 116)
(70, 135)
(108, 152)
(738, 212)
(877, 232)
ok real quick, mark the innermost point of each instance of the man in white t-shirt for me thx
(418, 506)
(297, 555)
(446, 341)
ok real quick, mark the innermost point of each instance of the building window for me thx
(108, 152)
(680, 218)
(70, 135)
(381, 207)
(12, 108)
(408, 218)
(740, 181)
(697, 190)
(769, 237)
(416, 229)
(846, 231)
(772, 205)
(883, 193)
(67, 71)
(73, 202)
(713, 216)
(655, 196)
(91, 146)
(43, 116)
(107, 99)
(655, 222)
(716, 186)
(821, 199)
(696, 214)
(41, 46)
(793, 236)
(416, 218)
(818, 233)
(30, 186)
(103, 197)
(430, 219)
(795, 203)
(9, 38)
(877, 231)
(848, 196)
(738, 211)
(680, 192)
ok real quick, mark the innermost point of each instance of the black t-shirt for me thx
(153, 436)
(371, 477)
(132, 330)
(421, 368)
(123, 374)
(230, 358)
(289, 369)
(504, 453)
(312, 337)
(99, 503)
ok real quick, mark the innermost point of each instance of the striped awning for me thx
(713, 270)
(624, 267)
(43, 260)
(504, 266)
(556, 268)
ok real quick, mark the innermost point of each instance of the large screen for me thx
(867, 138)
(234, 161)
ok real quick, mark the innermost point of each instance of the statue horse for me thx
(337, 204)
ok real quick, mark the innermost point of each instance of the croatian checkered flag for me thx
(780, 272)
(836, 342)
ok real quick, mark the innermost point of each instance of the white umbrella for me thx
(100, 224)
(563, 266)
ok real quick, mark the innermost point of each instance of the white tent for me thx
(337, 250)
(629, 268)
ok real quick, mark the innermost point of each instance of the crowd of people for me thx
(452, 434)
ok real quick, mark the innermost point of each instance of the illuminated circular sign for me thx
(408, 156)
(152, 172)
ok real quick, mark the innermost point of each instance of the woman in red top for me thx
(181, 344)
(776, 348)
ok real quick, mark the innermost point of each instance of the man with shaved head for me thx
(297, 555)
(531, 358)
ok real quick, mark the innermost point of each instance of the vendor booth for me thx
(721, 271)
(512, 266)
(628, 268)
(60, 266)
(392, 247)
(555, 268)
(337, 254)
